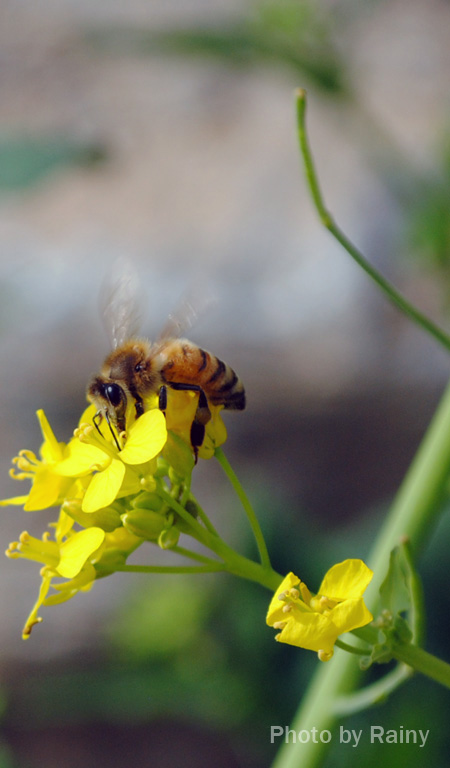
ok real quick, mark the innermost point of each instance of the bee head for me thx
(110, 399)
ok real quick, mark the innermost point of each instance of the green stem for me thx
(327, 220)
(424, 662)
(193, 555)
(233, 561)
(253, 520)
(172, 568)
(204, 517)
(350, 648)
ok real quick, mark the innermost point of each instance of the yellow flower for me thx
(114, 473)
(72, 560)
(315, 622)
(67, 556)
(48, 487)
(109, 487)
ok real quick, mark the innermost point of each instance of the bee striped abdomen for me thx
(187, 363)
(223, 386)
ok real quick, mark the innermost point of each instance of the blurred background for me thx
(164, 133)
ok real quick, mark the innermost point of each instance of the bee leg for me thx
(197, 437)
(202, 414)
(162, 404)
(112, 431)
(97, 419)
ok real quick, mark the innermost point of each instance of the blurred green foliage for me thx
(428, 219)
(290, 33)
(26, 160)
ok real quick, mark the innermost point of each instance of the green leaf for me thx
(394, 591)
(400, 593)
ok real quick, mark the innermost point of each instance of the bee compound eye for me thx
(114, 394)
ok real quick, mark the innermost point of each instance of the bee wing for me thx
(191, 306)
(119, 303)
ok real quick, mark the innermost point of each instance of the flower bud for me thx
(150, 501)
(106, 518)
(145, 523)
(169, 538)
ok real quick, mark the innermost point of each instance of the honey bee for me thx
(138, 368)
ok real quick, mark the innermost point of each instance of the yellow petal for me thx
(345, 580)
(88, 415)
(84, 581)
(104, 487)
(350, 614)
(51, 450)
(313, 631)
(46, 489)
(63, 526)
(215, 434)
(79, 458)
(76, 550)
(146, 438)
(15, 500)
(276, 605)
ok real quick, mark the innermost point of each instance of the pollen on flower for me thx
(294, 593)
(287, 608)
(325, 655)
(12, 550)
(279, 624)
(26, 461)
(83, 431)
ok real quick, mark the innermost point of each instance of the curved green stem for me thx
(373, 693)
(350, 648)
(249, 511)
(327, 220)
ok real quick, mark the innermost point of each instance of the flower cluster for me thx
(112, 493)
(316, 621)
